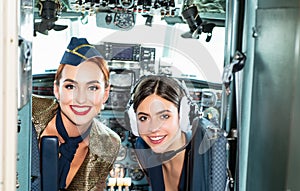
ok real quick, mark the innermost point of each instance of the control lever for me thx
(237, 64)
(111, 183)
(120, 183)
(127, 183)
(208, 28)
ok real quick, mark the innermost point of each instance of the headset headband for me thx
(187, 109)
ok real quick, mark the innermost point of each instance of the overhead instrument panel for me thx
(119, 14)
(124, 20)
(126, 4)
(118, 20)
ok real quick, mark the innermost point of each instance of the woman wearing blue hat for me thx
(87, 148)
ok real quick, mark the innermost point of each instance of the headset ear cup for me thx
(130, 120)
(184, 112)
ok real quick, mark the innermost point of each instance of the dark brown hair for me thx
(163, 86)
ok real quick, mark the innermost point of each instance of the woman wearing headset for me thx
(159, 115)
(177, 150)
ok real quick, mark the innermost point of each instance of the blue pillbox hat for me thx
(78, 50)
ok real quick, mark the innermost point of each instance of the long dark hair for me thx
(163, 86)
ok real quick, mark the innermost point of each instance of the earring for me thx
(102, 107)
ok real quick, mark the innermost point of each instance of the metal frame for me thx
(8, 95)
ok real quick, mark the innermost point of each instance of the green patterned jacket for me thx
(103, 147)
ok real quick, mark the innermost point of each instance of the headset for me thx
(188, 108)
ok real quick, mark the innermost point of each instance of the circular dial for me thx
(122, 153)
(136, 173)
(124, 20)
(132, 155)
(126, 4)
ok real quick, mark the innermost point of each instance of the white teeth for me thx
(80, 109)
(156, 138)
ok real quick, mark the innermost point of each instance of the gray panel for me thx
(272, 94)
(294, 153)
(278, 3)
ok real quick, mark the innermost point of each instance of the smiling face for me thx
(158, 124)
(81, 92)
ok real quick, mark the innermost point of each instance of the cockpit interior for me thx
(221, 50)
(180, 39)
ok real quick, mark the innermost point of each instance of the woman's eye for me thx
(164, 116)
(93, 88)
(70, 86)
(142, 118)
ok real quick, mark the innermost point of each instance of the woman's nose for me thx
(155, 125)
(80, 96)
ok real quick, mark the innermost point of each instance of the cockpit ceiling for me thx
(167, 7)
(114, 14)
